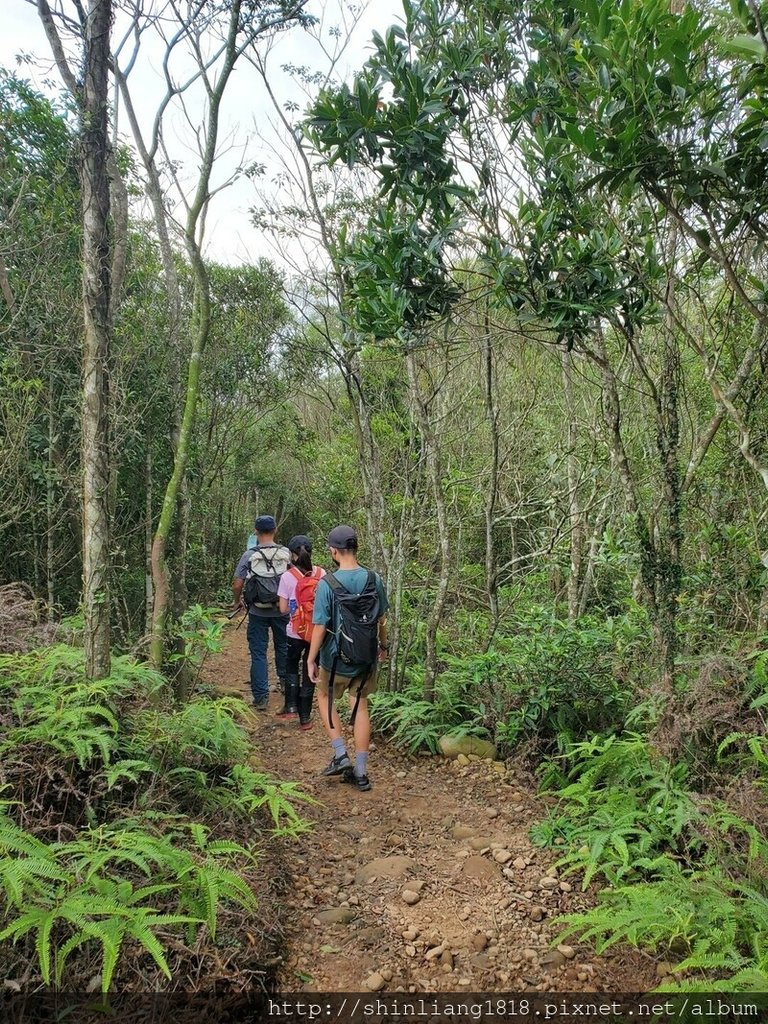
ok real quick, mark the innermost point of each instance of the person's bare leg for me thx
(332, 728)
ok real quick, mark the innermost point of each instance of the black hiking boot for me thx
(306, 697)
(290, 708)
(261, 705)
(362, 782)
(337, 765)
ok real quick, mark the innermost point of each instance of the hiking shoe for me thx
(261, 705)
(286, 713)
(337, 765)
(306, 726)
(361, 781)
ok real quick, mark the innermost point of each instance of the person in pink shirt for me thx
(296, 594)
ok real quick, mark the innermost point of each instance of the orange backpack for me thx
(301, 619)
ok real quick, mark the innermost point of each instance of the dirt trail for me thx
(441, 831)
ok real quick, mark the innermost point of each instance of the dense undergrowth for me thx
(664, 801)
(131, 831)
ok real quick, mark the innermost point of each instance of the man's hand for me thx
(313, 671)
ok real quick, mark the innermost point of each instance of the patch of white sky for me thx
(249, 132)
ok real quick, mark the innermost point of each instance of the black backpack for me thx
(357, 633)
(357, 639)
(265, 568)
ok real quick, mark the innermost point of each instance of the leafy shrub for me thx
(555, 681)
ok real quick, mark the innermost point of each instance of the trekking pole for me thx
(234, 613)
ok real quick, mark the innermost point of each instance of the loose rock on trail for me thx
(427, 883)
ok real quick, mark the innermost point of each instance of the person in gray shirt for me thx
(264, 615)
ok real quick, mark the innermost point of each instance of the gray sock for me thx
(339, 748)
(361, 762)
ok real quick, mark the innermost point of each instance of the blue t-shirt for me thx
(354, 581)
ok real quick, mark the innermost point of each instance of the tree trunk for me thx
(149, 593)
(94, 179)
(491, 498)
(432, 457)
(50, 525)
(576, 531)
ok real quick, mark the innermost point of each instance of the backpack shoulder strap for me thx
(333, 583)
(295, 571)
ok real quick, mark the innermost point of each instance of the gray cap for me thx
(342, 537)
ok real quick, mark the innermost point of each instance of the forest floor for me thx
(484, 914)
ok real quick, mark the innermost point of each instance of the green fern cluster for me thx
(627, 809)
(719, 927)
(415, 723)
(688, 876)
(51, 707)
(74, 894)
(137, 769)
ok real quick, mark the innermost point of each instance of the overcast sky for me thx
(246, 115)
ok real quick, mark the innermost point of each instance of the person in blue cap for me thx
(255, 585)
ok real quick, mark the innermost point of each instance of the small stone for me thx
(374, 982)
(547, 882)
(462, 832)
(410, 950)
(447, 968)
(499, 767)
(410, 897)
(416, 885)
(519, 863)
(663, 969)
(502, 856)
(463, 760)
(491, 812)
(463, 981)
(386, 974)
(568, 951)
(553, 959)
(479, 941)
(480, 842)
(566, 887)
(401, 775)
(446, 959)
(537, 914)
(435, 952)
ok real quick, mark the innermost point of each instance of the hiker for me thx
(255, 586)
(297, 598)
(350, 638)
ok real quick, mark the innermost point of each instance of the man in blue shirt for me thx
(353, 680)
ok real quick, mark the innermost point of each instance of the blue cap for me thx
(265, 524)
